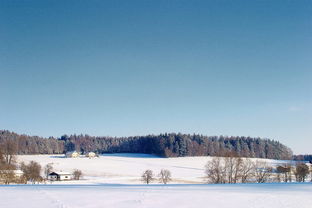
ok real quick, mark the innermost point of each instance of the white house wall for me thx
(65, 177)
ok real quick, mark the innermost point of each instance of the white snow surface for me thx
(113, 180)
(126, 168)
(290, 195)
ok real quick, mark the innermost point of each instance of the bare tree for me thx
(48, 169)
(233, 166)
(1, 156)
(283, 172)
(148, 176)
(263, 172)
(31, 171)
(9, 150)
(7, 165)
(310, 171)
(164, 176)
(77, 174)
(7, 176)
(247, 170)
(301, 172)
(215, 171)
(226, 170)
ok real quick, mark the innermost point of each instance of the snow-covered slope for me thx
(155, 196)
(126, 168)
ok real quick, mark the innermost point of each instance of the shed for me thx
(18, 173)
(59, 176)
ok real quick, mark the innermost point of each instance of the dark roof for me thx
(53, 173)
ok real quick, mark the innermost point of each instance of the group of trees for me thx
(8, 165)
(77, 174)
(301, 172)
(164, 176)
(31, 172)
(179, 145)
(25, 144)
(302, 157)
(234, 169)
(167, 145)
(7, 161)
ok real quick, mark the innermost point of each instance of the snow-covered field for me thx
(126, 168)
(155, 196)
(113, 180)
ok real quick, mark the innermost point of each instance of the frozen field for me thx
(155, 196)
(113, 180)
(126, 168)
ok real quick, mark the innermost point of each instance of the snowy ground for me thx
(113, 180)
(155, 196)
(126, 168)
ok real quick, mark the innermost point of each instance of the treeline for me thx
(33, 144)
(233, 169)
(302, 157)
(179, 145)
(166, 145)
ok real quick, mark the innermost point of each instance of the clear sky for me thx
(124, 68)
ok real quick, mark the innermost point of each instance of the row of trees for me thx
(234, 169)
(24, 144)
(8, 168)
(164, 176)
(167, 145)
(179, 145)
(303, 157)
(30, 172)
(7, 161)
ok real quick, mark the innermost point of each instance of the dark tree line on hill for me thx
(303, 157)
(167, 145)
(33, 144)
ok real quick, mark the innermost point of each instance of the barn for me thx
(90, 155)
(73, 154)
(59, 176)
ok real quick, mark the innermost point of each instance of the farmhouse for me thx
(59, 176)
(18, 173)
(90, 155)
(72, 154)
(15, 173)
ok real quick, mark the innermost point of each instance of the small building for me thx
(59, 176)
(73, 154)
(15, 173)
(90, 155)
(18, 173)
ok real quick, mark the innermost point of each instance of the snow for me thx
(126, 168)
(154, 196)
(113, 180)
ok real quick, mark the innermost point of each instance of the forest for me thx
(165, 145)
(302, 157)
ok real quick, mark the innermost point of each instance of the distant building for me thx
(59, 176)
(90, 155)
(18, 173)
(72, 154)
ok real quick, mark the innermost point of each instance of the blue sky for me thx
(123, 68)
